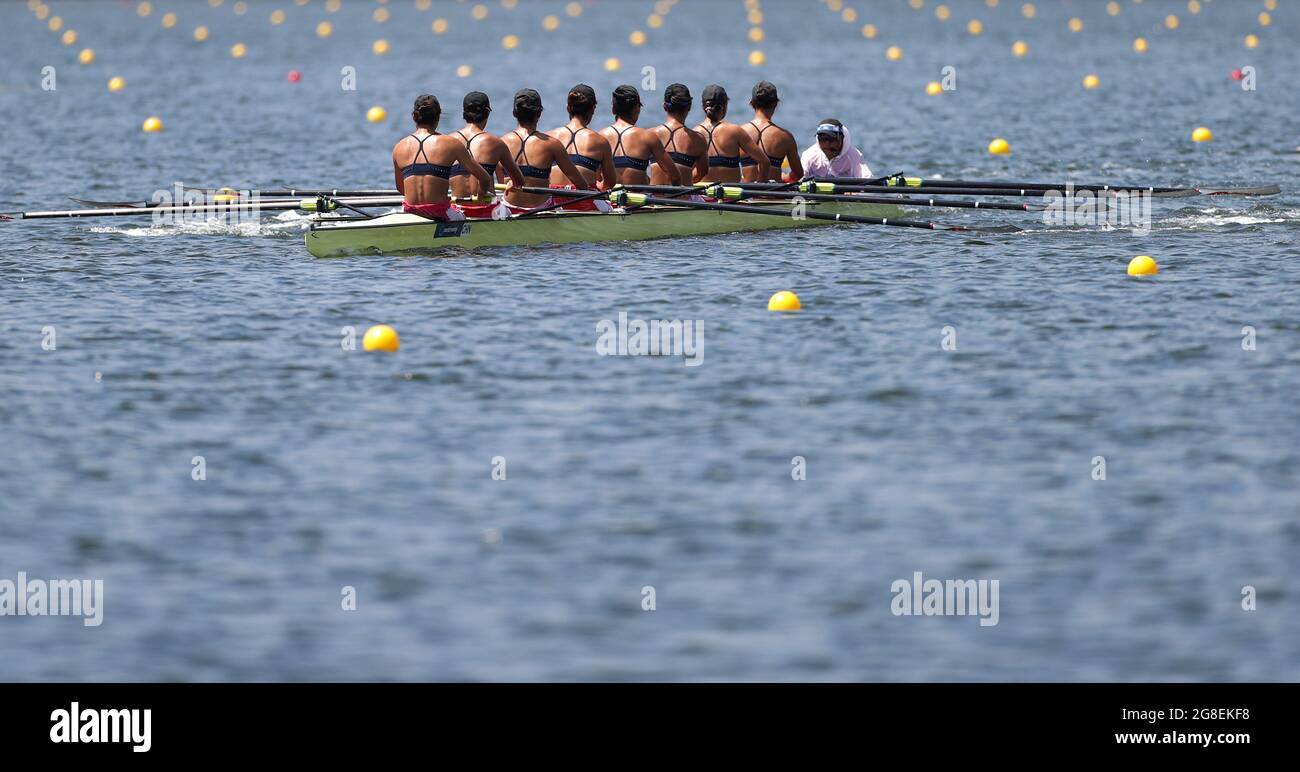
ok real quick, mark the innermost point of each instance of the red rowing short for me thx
(478, 211)
(445, 211)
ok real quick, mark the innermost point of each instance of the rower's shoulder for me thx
(488, 140)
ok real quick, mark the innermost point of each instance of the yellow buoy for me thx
(510, 42)
(975, 27)
(784, 300)
(1091, 81)
(238, 50)
(893, 53)
(1076, 24)
(439, 26)
(1142, 265)
(464, 71)
(381, 337)
(757, 58)
(116, 83)
(1019, 49)
(1171, 21)
(86, 56)
(69, 37)
(1140, 45)
(637, 38)
(1252, 41)
(1202, 134)
(552, 23)
(612, 64)
(200, 33)
(152, 124)
(934, 88)
(869, 31)
(324, 29)
(379, 47)
(376, 114)
(999, 146)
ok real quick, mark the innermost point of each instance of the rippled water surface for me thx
(329, 469)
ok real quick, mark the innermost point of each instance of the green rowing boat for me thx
(411, 234)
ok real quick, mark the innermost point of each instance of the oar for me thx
(737, 193)
(625, 198)
(203, 208)
(985, 185)
(301, 193)
(828, 187)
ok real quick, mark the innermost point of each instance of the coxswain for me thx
(834, 154)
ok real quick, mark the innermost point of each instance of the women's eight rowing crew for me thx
(429, 168)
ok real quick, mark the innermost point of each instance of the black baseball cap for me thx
(626, 96)
(528, 99)
(677, 97)
(476, 101)
(764, 93)
(714, 94)
(582, 98)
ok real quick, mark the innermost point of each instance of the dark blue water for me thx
(329, 469)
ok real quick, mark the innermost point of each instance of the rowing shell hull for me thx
(406, 233)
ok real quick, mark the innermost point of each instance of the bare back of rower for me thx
(727, 142)
(684, 145)
(535, 153)
(775, 142)
(422, 160)
(635, 148)
(586, 148)
(486, 148)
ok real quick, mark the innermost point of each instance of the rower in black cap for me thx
(488, 149)
(587, 149)
(727, 141)
(684, 145)
(635, 148)
(776, 143)
(535, 153)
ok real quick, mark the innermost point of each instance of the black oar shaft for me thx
(1002, 185)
